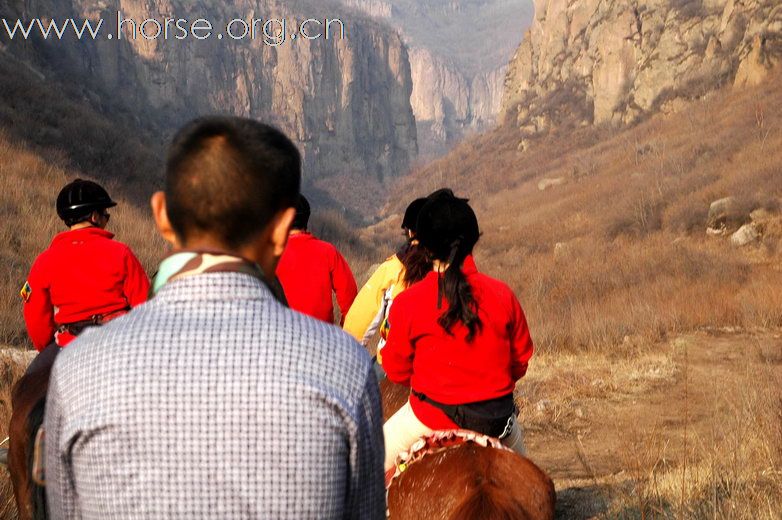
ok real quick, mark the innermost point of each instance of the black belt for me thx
(493, 417)
(96, 320)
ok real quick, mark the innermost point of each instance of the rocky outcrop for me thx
(344, 100)
(599, 61)
(449, 101)
(458, 75)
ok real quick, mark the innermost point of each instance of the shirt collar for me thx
(300, 235)
(83, 234)
(187, 264)
(220, 286)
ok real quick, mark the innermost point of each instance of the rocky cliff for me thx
(458, 71)
(344, 100)
(600, 61)
(452, 103)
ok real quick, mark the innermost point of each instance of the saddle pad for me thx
(435, 443)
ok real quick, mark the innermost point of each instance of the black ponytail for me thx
(462, 306)
(448, 230)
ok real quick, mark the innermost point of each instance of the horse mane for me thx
(488, 501)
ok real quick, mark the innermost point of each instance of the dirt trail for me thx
(606, 438)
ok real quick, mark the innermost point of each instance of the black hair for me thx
(448, 230)
(228, 177)
(417, 262)
(303, 211)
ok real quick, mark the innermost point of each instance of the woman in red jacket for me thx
(459, 339)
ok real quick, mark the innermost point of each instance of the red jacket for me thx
(309, 270)
(421, 354)
(84, 273)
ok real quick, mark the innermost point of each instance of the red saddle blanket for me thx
(435, 443)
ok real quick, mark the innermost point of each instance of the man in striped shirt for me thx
(213, 400)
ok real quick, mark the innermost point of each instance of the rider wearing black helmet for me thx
(84, 278)
(409, 265)
(459, 339)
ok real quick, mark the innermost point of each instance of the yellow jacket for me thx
(370, 308)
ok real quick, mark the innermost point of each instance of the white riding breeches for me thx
(403, 429)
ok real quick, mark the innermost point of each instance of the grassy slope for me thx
(633, 257)
(613, 267)
(51, 133)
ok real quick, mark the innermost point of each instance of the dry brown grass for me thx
(28, 187)
(731, 466)
(620, 249)
(685, 429)
(612, 265)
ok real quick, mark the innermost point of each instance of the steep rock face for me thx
(344, 100)
(458, 73)
(448, 100)
(612, 62)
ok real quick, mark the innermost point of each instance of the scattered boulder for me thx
(723, 212)
(746, 235)
(545, 184)
(528, 130)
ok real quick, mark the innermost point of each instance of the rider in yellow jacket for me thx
(370, 309)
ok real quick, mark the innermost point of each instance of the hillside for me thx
(655, 388)
(603, 232)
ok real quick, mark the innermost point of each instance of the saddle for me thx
(437, 442)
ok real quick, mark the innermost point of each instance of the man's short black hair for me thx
(302, 218)
(228, 176)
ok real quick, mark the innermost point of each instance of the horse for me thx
(466, 482)
(28, 400)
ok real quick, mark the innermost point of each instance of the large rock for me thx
(746, 235)
(617, 61)
(458, 82)
(723, 212)
(545, 184)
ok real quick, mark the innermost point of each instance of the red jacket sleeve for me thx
(520, 341)
(398, 352)
(344, 285)
(38, 309)
(136, 286)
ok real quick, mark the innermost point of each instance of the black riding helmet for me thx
(410, 221)
(303, 211)
(79, 199)
(447, 223)
(411, 214)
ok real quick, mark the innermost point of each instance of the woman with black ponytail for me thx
(458, 338)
